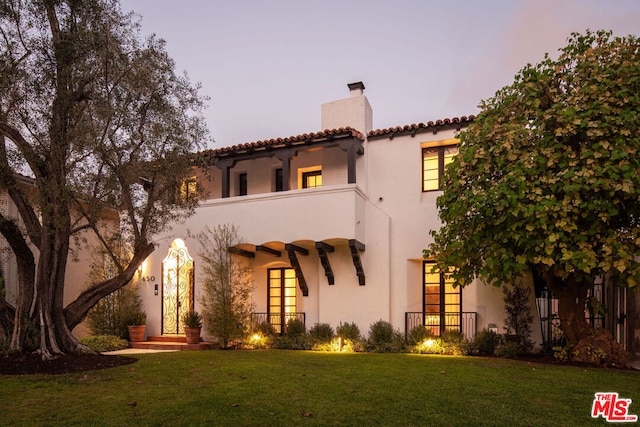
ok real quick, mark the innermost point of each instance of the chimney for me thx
(353, 111)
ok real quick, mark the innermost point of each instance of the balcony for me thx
(319, 213)
(436, 323)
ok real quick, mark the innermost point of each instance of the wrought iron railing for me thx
(277, 320)
(437, 323)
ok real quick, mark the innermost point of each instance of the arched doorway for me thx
(177, 287)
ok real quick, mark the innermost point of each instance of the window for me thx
(188, 189)
(281, 297)
(442, 302)
(434, 159)
(279, 180)
(242, 184)
(312, 179)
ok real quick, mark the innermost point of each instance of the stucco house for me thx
(334, 224)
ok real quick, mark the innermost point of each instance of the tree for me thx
(227, 287)
(547, 178)
(103, 127)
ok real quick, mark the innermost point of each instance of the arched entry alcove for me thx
(177, 287)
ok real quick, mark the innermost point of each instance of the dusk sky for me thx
(267, 66)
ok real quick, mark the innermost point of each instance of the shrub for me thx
(419, 335)
(384, 339)
(102, 343)
(519, 315)
(258, 340)
(486, 342)
(113, 313)
(348, 331)
(508, 349)
(293, 342)
(295, 327)
(455, 343)
(264, 328)
(600, 348)
(322, 332)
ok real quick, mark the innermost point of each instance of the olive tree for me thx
(227, 285)
(547, 179)
(96, 131)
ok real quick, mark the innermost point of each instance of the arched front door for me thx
(177, 287)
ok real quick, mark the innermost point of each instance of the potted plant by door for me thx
(192, 321)
(136, 325)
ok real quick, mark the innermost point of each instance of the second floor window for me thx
(242, 184)
(188, 189)
(434, 159)
(279, 180)
(312, 179)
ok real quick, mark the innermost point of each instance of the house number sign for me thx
(148, 278)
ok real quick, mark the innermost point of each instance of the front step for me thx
(170, 342)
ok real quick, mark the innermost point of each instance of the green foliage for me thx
(112, 314)
(450, 343)
(600, 348)
(508, 349)
(348, 331)
(264, 328)
(485, 342)
(102, 343)
(295, 327)
(519, 315)
(418, 335)
(227, 287)
(192, 319)
(546, 176)
(321, 332)
(455, 343)
(383, 338)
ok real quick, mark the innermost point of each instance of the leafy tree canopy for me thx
(548, 175)
(99, 121)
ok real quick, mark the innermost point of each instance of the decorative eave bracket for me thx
(293, 259)
(355, 247)
(323, 250)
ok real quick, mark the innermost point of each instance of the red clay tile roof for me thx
(303, 139)
(421, 127)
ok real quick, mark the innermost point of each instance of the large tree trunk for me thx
(572, 298)
(26, 276)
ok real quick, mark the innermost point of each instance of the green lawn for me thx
(292, 388)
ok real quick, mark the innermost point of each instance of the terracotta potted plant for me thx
(137, 325)
(192, 321)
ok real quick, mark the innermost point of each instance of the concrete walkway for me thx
(127, 351)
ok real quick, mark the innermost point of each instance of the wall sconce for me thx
(155, 289)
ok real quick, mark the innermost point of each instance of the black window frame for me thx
(308, 174)
(441, 156)
(243, 185)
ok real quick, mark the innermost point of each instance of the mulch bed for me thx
(32, 363)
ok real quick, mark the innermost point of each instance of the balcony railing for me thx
(278, 321)
(465, 321)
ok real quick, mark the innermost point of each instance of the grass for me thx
(293, 388)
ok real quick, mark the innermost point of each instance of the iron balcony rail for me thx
(277, 320)
(437, 323)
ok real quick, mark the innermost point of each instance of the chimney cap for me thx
(356, 86)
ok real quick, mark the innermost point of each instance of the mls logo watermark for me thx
(611, 408)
